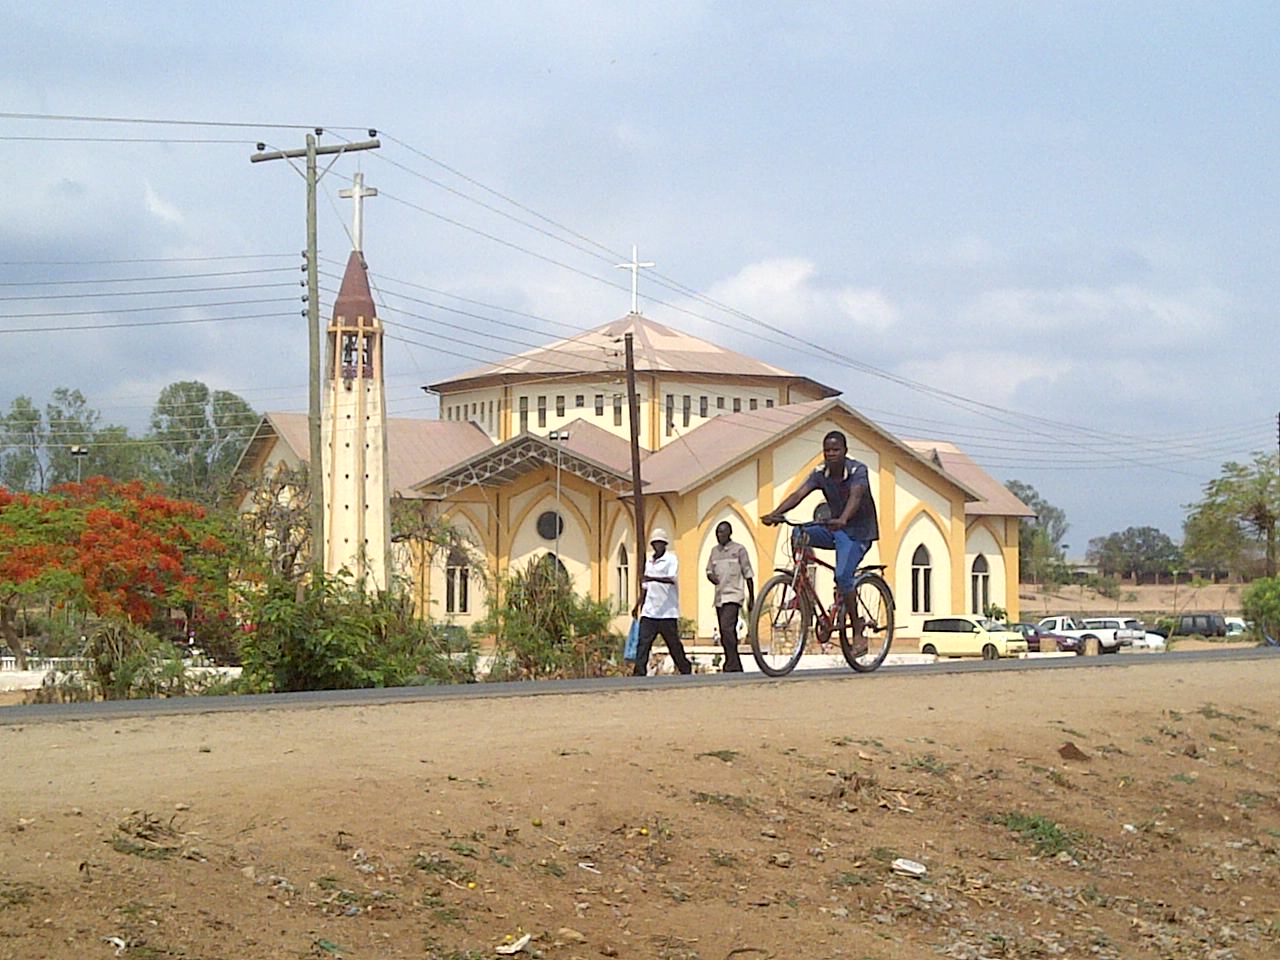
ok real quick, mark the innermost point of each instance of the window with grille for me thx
(980, 586)
(921, 581)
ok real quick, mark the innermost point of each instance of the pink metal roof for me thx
(658, 349)
(416, 449)
(995, 498)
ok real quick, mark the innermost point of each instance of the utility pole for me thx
(558, 437)
(637, 497)
(315, 471)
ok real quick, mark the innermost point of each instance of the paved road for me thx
(339, 698)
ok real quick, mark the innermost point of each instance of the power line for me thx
(152, 309)
(79, 263)
(77, 118)
(148, 323)
(972, 405)
(144, 293)
(162, 277)
(126, 139)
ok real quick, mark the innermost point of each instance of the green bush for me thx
(1261, 605)
(330, 635)
(1108, 587)
(543, 629)
(131, 664)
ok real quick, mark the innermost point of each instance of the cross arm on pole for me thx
(319, 151)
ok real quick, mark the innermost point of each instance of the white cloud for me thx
(787, 292)
(1119, 317)
(160, 208)
(996, 376)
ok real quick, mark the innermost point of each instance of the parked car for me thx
(1116, 631)
(1051, 641)
(1236, 626)
(1203, 624)
(1091, 642)
(1150, 641)
(970, 637)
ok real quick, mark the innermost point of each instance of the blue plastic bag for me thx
(633, 641)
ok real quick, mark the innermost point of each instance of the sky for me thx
(1045, 232)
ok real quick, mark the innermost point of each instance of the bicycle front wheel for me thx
(865, 642)
(779, 626)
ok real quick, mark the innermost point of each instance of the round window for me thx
(550, 525)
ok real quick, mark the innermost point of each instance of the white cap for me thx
(659, 535)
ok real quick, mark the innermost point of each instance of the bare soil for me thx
(733, 822)
(1141, 600)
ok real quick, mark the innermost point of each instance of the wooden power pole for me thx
(315, 471)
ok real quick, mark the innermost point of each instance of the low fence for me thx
(63, 664)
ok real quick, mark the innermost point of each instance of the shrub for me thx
(331, 635)
(543, 629)
(1261, 604)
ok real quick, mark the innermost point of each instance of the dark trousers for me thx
(669, 629)
(728, 615)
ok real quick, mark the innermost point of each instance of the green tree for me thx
(1261, 604)
(1040, 548)
(1134, 552)
(199, 435)
(23, 435)
(1238, 511)
(70, 422)
(116, 455)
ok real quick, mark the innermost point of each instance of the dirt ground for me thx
(1147, 601)
(734, 822)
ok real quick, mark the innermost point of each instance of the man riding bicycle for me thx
(852, 526)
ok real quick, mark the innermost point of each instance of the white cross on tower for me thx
(634, 266)
(358, 193)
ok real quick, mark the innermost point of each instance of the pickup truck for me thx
(1122, 631)
(1091, 641)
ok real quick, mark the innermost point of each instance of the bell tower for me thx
(356, 493)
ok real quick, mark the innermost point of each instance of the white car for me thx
(1150, 641)
(1236, 626)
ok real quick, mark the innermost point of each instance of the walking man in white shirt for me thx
(659, 606)
(729, 568)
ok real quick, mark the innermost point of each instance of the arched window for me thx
(921, 581)
(980, 585)
(623, 592)
(456, 575)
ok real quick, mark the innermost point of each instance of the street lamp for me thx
(79, 452)
(557, 437)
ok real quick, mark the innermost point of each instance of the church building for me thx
(530, 456)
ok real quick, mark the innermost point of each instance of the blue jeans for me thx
(849, 552)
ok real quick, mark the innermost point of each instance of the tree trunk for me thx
(1271, 549)
(8, 613)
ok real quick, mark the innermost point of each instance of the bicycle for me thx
(789, 607)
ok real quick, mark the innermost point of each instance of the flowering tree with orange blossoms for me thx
(123, 550)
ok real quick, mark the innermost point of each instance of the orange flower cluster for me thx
(125, 548)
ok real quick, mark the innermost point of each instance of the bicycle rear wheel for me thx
(865, 642)
(779, 626)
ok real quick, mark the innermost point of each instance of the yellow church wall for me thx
(1010, 546)
(980, 538)
(924, 529)
(471, 526)
(619, 530)
(912, 492)
(703, 608)
(741, 485)
(526, 544)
